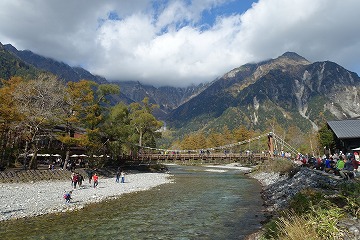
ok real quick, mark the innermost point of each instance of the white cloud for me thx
(318, 30)
(167, 44)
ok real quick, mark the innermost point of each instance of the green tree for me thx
(326, 138)
(117, 128)
(146, 127)
(85, 109)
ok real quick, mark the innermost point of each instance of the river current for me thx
(201, 203)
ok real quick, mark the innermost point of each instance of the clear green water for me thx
(199, 205)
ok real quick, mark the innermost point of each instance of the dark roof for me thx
(345, 128)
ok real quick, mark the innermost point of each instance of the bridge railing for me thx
(246, 158)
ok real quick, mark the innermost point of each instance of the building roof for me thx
(345, 128)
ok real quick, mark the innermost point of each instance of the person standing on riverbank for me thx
(75, 179)
(95, 179)
(80, 180)
(90, 175)
(117, 176)
(122, 175)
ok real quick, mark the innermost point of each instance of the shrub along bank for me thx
(303, 203)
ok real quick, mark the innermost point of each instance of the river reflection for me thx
(199, 204)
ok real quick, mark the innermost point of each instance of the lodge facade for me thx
(346, 134)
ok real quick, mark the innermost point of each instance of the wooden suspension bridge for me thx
(248, 152)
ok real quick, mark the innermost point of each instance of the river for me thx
(202, 203)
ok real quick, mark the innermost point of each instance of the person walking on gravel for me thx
(122, 175)
(75, 179)
(117, 177)
(95, 179)
(90, 175)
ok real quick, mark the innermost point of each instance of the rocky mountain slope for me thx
(289, 89)
(168, 98)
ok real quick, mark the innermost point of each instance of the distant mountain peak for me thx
(294, 56)
(10, 47)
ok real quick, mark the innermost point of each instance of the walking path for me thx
(18, 200)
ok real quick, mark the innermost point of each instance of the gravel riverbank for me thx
(18, 200)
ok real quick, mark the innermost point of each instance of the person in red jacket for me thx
(95, 179)
(75, 179)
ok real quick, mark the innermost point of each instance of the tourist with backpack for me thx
(67, 196)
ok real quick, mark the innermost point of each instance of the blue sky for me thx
(227, 9)
(181, 42)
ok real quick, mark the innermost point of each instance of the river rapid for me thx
(201, 203)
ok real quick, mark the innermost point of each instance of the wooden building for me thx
(347, 134)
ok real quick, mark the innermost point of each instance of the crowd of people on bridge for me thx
(342, 165)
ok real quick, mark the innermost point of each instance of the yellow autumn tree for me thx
(10, 118)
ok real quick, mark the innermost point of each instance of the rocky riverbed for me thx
(18, 200)
(278, 190)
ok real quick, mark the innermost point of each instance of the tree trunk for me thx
(33, 161)
(140, 138)
(26, 154)
(67, 156)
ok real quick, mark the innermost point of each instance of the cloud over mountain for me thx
(178, 42)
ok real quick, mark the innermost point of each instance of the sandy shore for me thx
(18, 200)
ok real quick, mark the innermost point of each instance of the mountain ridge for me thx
(167, 98)
(289, 89)
(290, 86)
(11, 66)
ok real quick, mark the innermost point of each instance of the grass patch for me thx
(310, 216)
(304, 201)
(350, 193)
(317, 224)
(280, 165)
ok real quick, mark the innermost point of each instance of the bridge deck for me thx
(204, 158)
